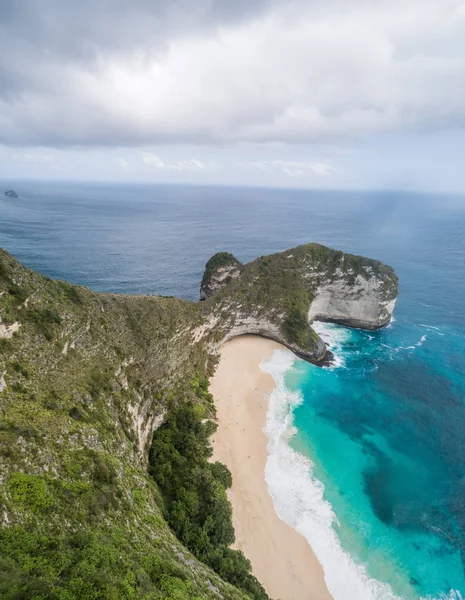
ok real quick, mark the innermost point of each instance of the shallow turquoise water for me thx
(384, 433)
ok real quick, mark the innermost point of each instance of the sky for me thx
(288, 93)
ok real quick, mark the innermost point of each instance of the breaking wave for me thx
(298, 495)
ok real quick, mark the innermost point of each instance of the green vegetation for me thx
(295, 324)
(194, 492)
(30, 491)
(80, 517)
(98, 564)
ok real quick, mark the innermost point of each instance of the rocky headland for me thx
(280, 295)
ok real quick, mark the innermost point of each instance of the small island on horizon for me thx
(11, 194)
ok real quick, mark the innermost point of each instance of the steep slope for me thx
(85, 379)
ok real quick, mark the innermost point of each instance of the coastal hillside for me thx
(93, 505)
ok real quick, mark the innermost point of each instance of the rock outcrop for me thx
(219, 271)
(11, 194)
(280, 295)
(363, 304)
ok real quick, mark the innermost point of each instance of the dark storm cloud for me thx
(82, 29)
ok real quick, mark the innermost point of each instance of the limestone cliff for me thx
(278, 296)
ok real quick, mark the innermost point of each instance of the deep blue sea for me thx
(368, 456)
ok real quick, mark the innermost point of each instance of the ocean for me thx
(367, 457)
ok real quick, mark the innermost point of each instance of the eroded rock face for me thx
(219, 271)
(249, 325)
(7, 331)
(364, 305)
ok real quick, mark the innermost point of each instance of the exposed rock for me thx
(364, 304)
(144, 422)
(245, 325)
(11, 194)
(2, 381)
(7, 331)
(219, 271)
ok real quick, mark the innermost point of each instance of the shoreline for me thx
(281, 558)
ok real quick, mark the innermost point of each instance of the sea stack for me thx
(11, 194)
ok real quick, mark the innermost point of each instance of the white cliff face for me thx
(363, 304)
(254, 325)
(144, 422)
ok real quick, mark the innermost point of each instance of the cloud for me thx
(294, 168)
(265, 71)
(152, 160)
(155, 162)
(35, 157)
(321, 169)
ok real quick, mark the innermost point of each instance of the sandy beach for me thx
(281, 558)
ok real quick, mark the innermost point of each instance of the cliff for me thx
(85, 379)
(280, 295)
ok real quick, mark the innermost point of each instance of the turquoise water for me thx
(383, 430)
(368, 458)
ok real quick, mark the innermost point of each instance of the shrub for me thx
(295, 325)
(222, 473)
(103, 470)
(45, 320)
(194, 493)
(20, 294)
(30, 491)
(71, 292)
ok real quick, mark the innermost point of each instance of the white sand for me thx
(281, 558)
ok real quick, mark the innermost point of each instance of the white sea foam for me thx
(298, 495)
(431, 328)
(334, 336)
(422, 341)
(452, 595)
(391, 322)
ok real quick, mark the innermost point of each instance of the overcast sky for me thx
(301, 93)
